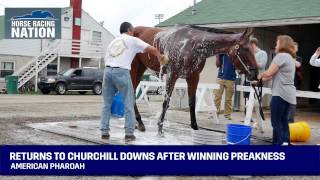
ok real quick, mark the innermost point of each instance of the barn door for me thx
(74, 63)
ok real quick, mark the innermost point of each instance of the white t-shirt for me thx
(262, 59)
(314, 61)
(122, 50)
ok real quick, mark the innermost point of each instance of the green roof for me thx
(1, 27)
(233, 11)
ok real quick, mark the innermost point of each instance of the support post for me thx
(36, 83)
(58, 64)
(99, 63)
(80, 62)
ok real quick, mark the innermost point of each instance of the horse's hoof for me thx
(160, 134)
(160, 130)
(194, 126)
(141, 128)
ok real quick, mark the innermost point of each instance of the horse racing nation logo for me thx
(33, 23)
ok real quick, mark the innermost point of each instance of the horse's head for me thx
(243, 56)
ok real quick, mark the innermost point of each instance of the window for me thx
(6, 68)
(52, 69)
(77, 72)
(68, 72)
(77, 21)
(86, 72)
(89, 72)
(96, 36)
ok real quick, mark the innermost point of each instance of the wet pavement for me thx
(17, 113)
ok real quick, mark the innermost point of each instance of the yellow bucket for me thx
(299, 131)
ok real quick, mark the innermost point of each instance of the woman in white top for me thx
(315, 60)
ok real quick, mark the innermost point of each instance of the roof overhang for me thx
(266, 23)
(263, 23)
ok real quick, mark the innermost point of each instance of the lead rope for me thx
(258, 93)
(245, 98)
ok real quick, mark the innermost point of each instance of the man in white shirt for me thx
(260, 55)
(119, 56)
(315, 60)
(262, 59)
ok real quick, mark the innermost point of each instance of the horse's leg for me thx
(192, 82)
(137, 70)
(169, 88)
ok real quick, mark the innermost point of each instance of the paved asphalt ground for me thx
(18, 110)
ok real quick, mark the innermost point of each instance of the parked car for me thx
(80, 79)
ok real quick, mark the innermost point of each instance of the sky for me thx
(114, 12)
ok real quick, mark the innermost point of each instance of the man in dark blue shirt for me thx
(226, 80)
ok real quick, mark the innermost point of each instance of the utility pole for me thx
(159, 17)
(194, 11)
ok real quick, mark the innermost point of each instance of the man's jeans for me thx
(279, 120)
(117, 79)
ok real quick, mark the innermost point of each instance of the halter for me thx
(247, 68)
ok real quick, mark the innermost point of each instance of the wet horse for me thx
(187, 48)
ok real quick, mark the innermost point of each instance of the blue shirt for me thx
(226, 70)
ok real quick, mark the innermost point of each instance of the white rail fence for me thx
(207, 89)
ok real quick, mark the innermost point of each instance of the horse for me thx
(188, 47)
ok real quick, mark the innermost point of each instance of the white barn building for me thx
(33, 58)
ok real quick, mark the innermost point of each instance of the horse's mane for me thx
(208, 29)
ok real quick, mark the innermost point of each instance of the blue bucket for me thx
(238, 134)
(117, 107)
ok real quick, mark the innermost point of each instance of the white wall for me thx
(19, 61)
(66, 26)
(89, 25)
(210, 71)
(22, 47)
(65, 64)
(208, 75)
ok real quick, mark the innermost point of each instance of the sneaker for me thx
(105, 136)
(228, 117)
(252, 120)
(129, 138)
